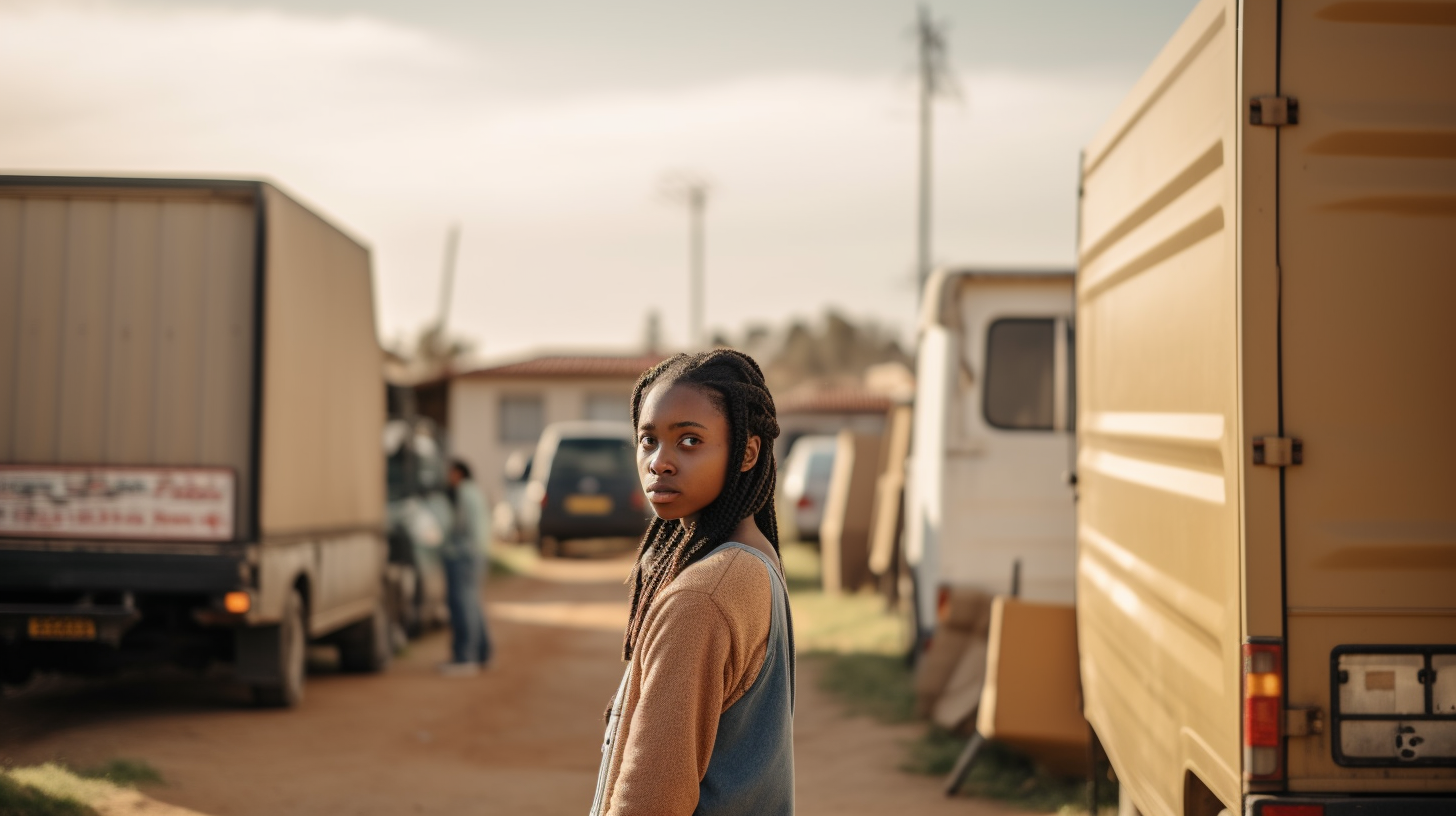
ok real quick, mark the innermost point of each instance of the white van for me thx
(989, 474)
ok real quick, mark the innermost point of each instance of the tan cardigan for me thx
(701, 648)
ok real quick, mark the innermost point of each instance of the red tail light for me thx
(805, 502)
(942, 604)
(1263, 709)
(1292, 810)
(639, 502)
(544, 497)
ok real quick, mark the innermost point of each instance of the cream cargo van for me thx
(1266, 575)
(988, 493)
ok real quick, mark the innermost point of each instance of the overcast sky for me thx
(544, 129)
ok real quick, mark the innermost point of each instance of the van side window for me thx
(522, 417)
(1020, 363)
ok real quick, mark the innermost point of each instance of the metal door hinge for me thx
(1273, 111)
(1278, 451)
(1303, 721)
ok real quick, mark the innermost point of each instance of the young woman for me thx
(702, 721)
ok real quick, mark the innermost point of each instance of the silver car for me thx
(805, 482)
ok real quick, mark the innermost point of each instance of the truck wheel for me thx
(292, 654)
(550, 547)
(365, 646)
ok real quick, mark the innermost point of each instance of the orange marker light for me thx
(237, 602)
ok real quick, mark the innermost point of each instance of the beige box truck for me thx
(191, 408)
(1266, 578)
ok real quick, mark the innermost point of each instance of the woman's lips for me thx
(661, 495)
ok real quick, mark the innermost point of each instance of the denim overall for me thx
(751, 769)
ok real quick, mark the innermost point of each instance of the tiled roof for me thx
(570, 366)
(837, 400)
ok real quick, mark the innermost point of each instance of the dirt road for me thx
(521, 738)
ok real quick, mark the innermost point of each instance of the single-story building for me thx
(500, 410)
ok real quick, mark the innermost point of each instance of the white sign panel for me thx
(160, 504)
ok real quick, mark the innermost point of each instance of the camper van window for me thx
(1019, 369)
(522, 418)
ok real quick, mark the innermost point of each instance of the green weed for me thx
(127, 772)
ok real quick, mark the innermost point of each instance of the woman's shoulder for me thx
(729, 573)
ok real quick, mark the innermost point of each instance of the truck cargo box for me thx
(1266, 396)
(190, 398)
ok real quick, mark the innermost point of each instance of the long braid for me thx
(736, 384)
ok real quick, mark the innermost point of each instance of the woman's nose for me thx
(658, 464)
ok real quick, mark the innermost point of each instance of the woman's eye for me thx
(691, 441)
(648, 441)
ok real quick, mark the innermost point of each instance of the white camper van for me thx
(989, 491)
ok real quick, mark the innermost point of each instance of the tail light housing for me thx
(639, 501)
(805, 502)
(1273, 809)
(1263, 683)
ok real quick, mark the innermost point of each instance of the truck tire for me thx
(550, 547)
(366, 646)
(287, 690)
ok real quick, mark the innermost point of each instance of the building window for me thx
(1020, 368)
(522, 417)
(612, 407)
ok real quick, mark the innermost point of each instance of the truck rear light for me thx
(639, 502)
(1292, 810)
(237, 603)
(1263, 680)
(544, 497)
(805, 502)
(942, 604)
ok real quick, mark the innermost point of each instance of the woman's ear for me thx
(750, 454)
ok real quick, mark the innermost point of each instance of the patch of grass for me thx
(17, 799)
(127, 772)
(934, 753)
(47, 790)
(873, 684)
(507, 560)
(999, 773)
(843, 623)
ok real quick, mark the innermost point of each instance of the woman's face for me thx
(682, 450)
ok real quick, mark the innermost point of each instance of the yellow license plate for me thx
(580, 505)
(62, 628)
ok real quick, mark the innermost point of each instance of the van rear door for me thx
(1367, 186)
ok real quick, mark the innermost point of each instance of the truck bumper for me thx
(119, 571)
(104, 624)
(1350, 806)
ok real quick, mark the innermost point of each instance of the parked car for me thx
(806, 471)
(583, 484)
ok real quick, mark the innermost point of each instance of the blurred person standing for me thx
(464, 556)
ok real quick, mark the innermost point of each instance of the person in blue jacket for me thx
(464, 555)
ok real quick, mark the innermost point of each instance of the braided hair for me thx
(735, 384)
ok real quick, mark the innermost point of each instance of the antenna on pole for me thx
(687, 188)
(936, 79)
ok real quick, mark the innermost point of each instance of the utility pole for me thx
(935, 80)
(447, 279)
(689, 189)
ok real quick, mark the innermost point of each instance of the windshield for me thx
(602, 458)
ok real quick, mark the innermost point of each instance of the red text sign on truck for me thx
(174, 504)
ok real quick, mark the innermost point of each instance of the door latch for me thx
(1278, 451)
(1273, 111)
(1302, 721)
